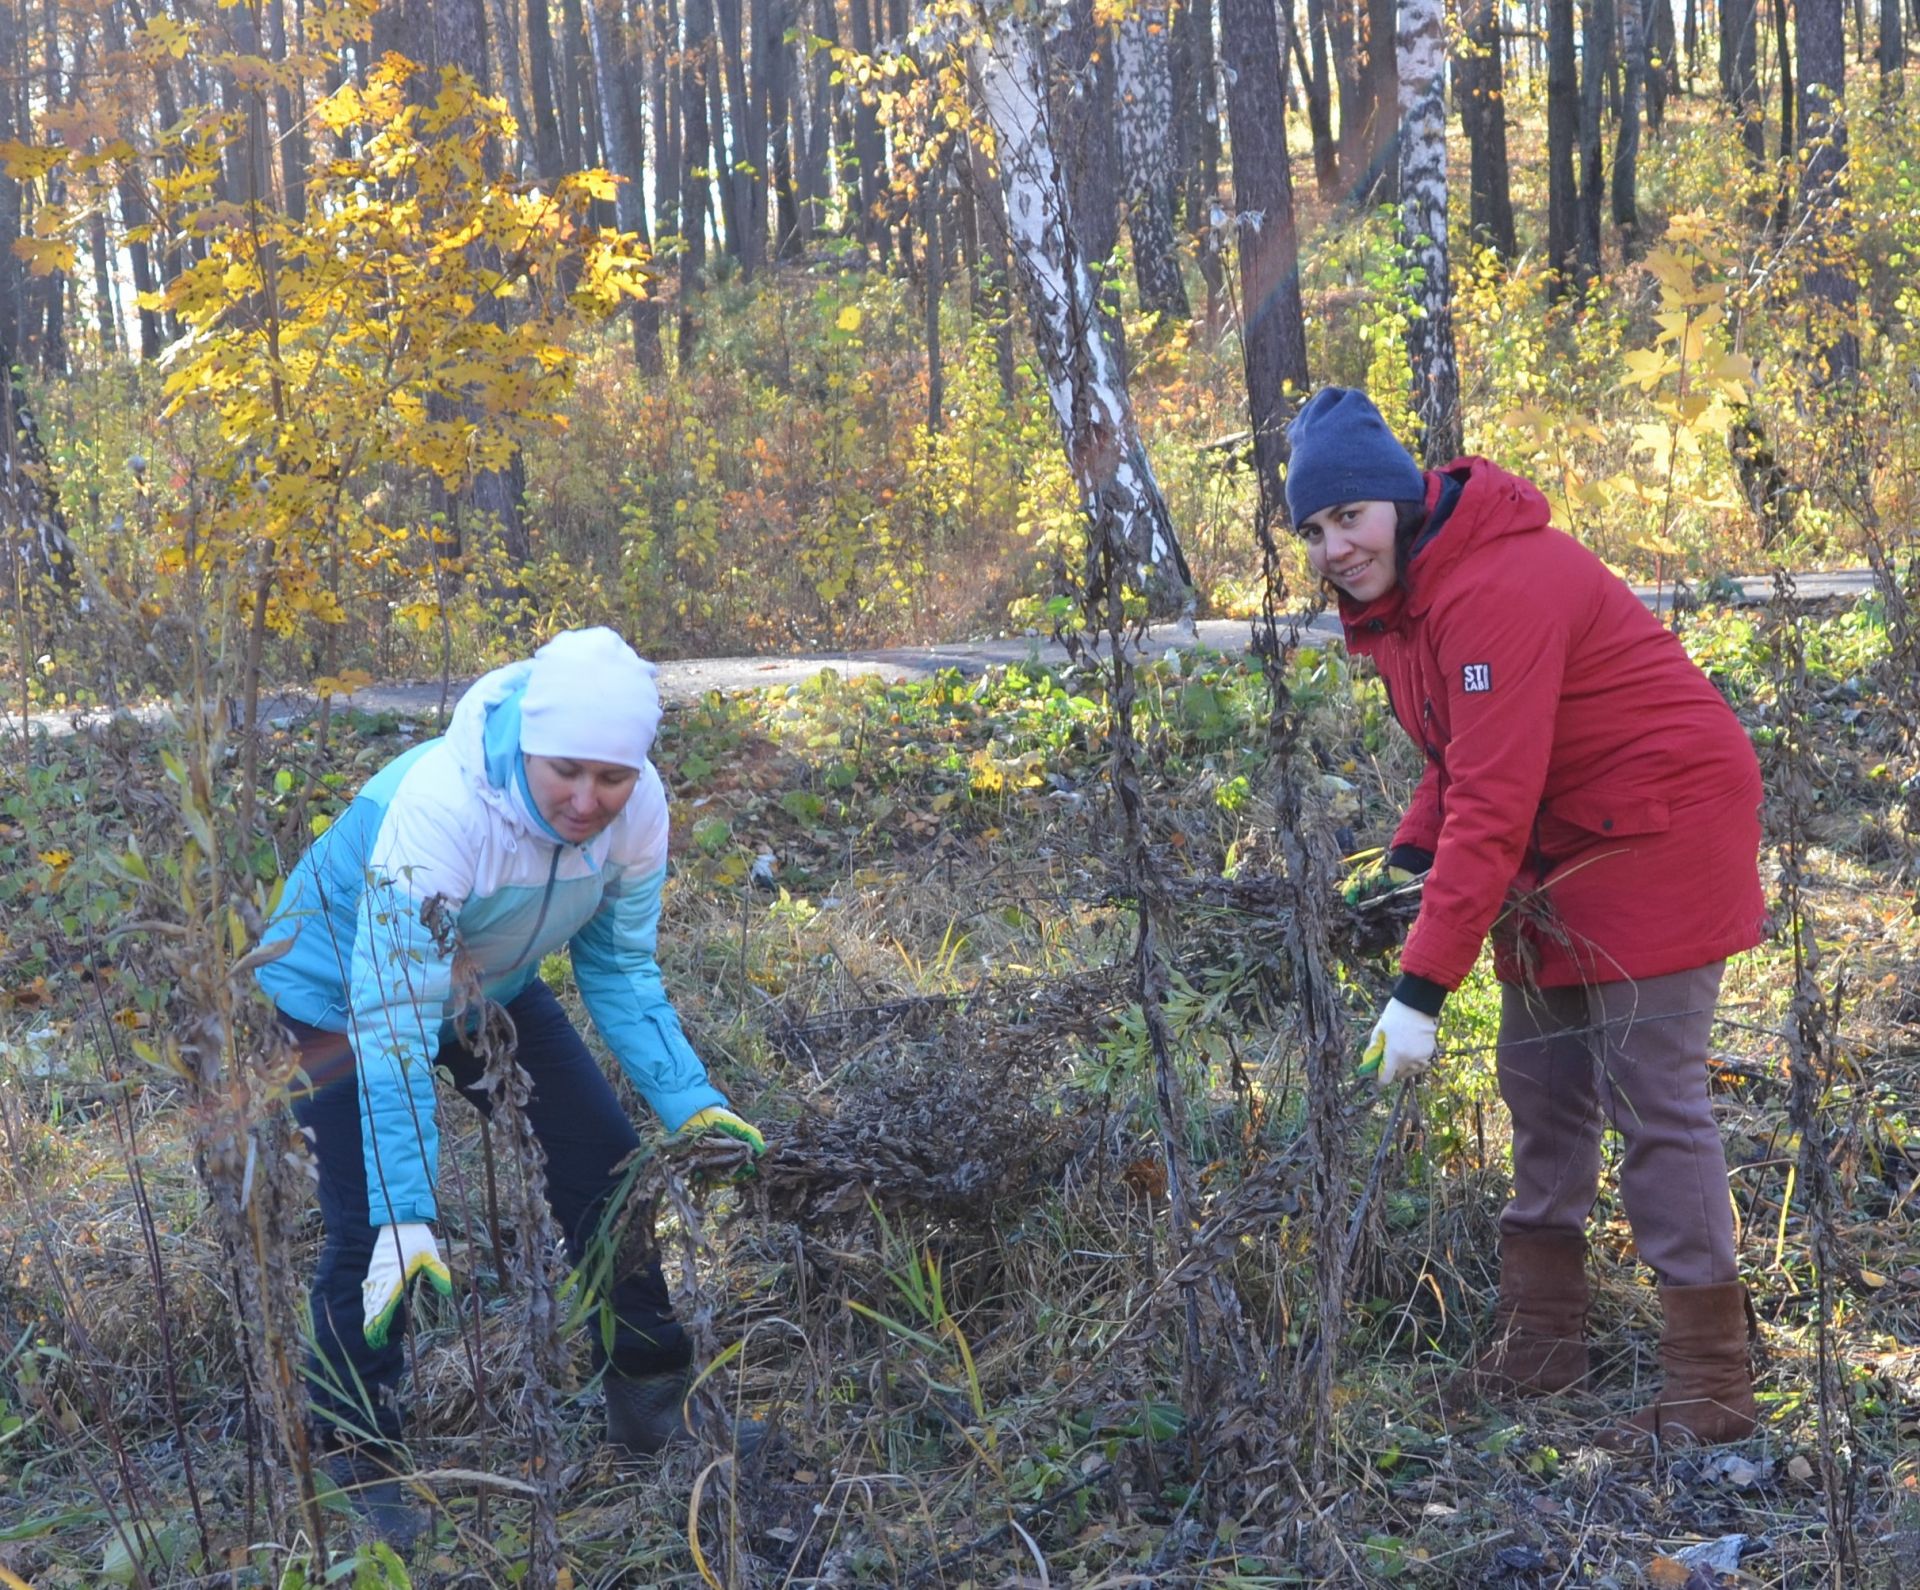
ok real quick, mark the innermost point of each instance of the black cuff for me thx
(1420, 993)
(1410, 858)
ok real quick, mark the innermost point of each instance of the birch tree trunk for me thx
(1273, 334)
(1118, 491)
(1422, 47)
(1143, 107)
(34, 546)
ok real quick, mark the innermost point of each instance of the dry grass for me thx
(950, 1288)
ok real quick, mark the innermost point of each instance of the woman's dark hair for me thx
(1409, 519)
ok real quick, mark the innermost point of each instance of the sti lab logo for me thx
(1476, 678)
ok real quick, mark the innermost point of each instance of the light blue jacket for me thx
(448, 834)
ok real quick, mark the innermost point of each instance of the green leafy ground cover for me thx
(897, 930)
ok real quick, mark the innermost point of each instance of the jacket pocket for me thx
(1581, 818)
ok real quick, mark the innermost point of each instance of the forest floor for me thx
(897, 932)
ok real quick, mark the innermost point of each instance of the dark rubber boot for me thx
(1707, 1397)
(369, 1479)
(1539, 1344)
(647, 1415)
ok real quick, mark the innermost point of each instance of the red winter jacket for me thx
(1588, 795)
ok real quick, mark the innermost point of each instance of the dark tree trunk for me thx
(1273, 328)
(696, 66)
(1739, 71)
(1197, 130)
(1318, 78)
(931, 255)
(869, 148)
(744, 175)
(542, 73)
(1084, 100)
(13, 270)
(1626, 149)
(574, 148)
(1376, 179)
(1349, 51)
(1563, 137)
(1892, 53)
(1829, 287)
(1662, 68)
(776, 54)
(1480, 83)
(289, 112)
(1786, 78)
(616, 90)
(1596, 27)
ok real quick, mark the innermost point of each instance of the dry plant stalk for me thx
(1309, 882)
(528, 1262)
(1813, 1018)
(248, 1153)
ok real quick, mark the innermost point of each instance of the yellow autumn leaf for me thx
(23, 162)
(57, 859)
(598, 184)
(44, 255)
(849, 318)
(1648, 367)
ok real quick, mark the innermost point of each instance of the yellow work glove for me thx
(1372, 877)
(399, 1254)
(727, 1124)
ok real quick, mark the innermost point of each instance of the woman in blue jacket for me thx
(536, 821)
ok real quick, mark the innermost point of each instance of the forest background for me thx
(345, 342)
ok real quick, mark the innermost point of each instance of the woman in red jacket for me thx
(1591, 801)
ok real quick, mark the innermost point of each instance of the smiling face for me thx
(578, 797)
(1352, 544)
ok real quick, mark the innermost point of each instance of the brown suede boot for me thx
(1539, 1344)
(1708, 1394)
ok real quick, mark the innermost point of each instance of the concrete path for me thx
(685, 681)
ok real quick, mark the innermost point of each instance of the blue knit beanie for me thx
(1343, 452)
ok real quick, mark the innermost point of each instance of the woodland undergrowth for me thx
(900, 935)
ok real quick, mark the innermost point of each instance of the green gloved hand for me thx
(725, 1122)
(399, 1254)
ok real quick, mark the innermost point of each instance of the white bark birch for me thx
(1143, 107)
(1088, 390)
(1423, 222)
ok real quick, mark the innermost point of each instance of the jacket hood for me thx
(483, 737)
(1490, 506)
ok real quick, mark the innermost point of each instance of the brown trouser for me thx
(1638, 1052)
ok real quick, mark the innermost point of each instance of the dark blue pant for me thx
(578, 1119)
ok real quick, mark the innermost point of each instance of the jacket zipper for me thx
(546, 900)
